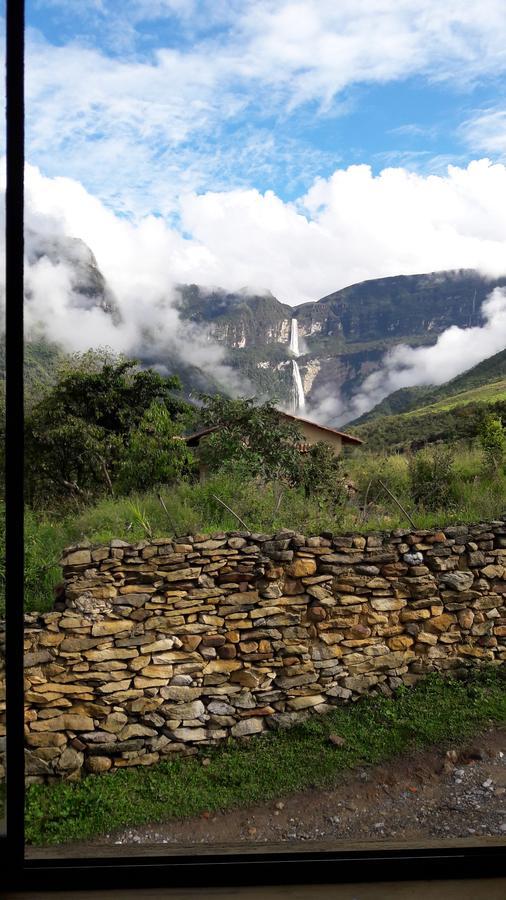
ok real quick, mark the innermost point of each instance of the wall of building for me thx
(170, 645)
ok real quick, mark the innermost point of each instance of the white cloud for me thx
(486, 131)
(351, 227)
(139, 127)
(348, 228)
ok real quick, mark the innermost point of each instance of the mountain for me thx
(483, 379)
(415, 416)
(345, 335)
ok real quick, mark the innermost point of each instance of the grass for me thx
(240, 774)
(486, 393)
(193, 508)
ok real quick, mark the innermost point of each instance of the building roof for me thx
(193, 439)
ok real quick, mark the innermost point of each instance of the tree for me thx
(156, 453)
(76, 435)
(256, 437)
(493, 443)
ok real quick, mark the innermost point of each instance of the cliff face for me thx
(344, 335)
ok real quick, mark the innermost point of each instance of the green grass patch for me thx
(240, 774)
(486, 393)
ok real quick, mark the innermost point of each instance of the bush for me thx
(432, 478)
(493, 443)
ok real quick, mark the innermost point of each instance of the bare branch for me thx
(231, 511)
(408, 517)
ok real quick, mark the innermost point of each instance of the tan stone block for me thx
(110, 653)
(442, 622)
(300, 567)
(387, 604)
(466, 618)
(157, 671)
(190, 734)
(77, 558)
(137, 589)
(414, 615)
(54, 687)
(492, 571)
(98, 764)
(425, 637)
(182, 574)
(222, 666)
(46, 739)
(115, 722)
(401, 642)
(136, 730)
(115, 686)
(159, 646)
(246, 678)
(139, 662)
(306, 702)
(111, 626)
(350, 599)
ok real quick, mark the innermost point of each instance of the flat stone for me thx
(78, 558)
(247, 726)
(111, 626)
(300, 567)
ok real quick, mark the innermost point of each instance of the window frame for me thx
(293, 866)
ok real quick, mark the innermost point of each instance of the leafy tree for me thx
(432, 477)
(76, 435)
(156, 453)
(493, 443)
(257, 437)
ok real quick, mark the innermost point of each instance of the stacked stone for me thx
(174, 644)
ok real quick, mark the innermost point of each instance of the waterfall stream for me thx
(300, 400)
(298, 388)
(294, 337)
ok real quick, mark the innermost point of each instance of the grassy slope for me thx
(488, 372)
(486, 393)
(239, 774)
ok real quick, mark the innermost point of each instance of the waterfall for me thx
(298, 389)
(294, 338)
(300, 400)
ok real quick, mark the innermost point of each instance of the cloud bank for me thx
(456, 350)
(348, 228)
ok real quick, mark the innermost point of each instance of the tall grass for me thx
(192, 508)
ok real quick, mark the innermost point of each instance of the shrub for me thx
(432, 478)
(493, 443)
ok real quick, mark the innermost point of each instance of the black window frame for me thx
(293, 866)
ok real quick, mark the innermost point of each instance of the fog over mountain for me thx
(142, 288)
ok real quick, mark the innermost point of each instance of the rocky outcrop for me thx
(173, 644)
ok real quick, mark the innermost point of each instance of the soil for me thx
(443, 793)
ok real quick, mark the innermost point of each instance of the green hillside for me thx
(451, 411)
(419, 398)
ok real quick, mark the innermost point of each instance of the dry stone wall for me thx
(166, 646)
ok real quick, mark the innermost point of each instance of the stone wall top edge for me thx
(262, 537)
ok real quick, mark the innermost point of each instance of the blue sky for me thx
(234, 94)
(291, 145)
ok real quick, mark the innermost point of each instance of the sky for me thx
(268, 145)
(290, 146)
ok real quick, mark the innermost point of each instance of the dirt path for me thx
(434, 794)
